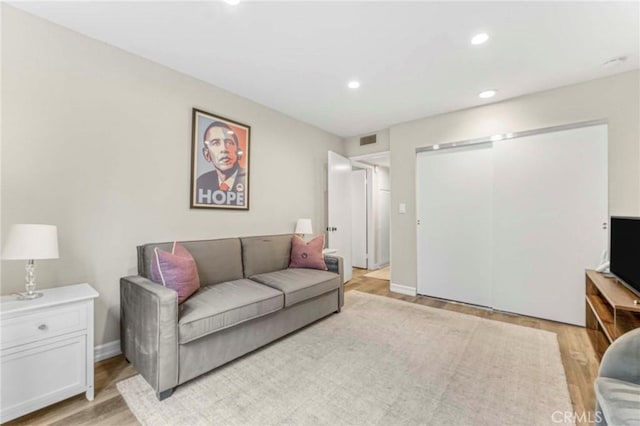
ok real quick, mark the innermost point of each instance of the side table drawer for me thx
(43, 324)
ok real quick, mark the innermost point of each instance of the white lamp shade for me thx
(303, 226)
(28, 241)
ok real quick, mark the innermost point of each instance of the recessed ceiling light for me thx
(232, 2)
(496, 138)
(614, 62)
(479, 38)
(353, 84)
(487, 94)
(436, 146)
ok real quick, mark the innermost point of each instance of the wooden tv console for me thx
(611, 310)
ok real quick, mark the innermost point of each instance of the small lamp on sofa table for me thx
(303, 227)
(30, 242)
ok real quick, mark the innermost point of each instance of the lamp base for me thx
(29, 296)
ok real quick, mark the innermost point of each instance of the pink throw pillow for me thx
(307, 254)
(176, 270)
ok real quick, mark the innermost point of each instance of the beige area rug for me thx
(381, 274)
(381, 361)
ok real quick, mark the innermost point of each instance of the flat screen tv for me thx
(624, 251)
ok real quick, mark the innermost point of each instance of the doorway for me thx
(371, 204)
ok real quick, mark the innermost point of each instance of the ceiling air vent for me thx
(367, 140)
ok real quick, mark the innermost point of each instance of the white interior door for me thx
(359, 218)
(454, 202)
(372, 260)
(383, 218)
(550, 195)
(339, 208)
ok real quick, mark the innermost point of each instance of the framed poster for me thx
(219, 162)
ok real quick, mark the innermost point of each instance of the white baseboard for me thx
(107, 350)
(403, 289)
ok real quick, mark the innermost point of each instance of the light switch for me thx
(403, 208)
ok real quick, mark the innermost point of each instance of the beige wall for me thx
(615, 98)
(1, 102)
(97, 141)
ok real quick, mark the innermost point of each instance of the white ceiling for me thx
(413, 59)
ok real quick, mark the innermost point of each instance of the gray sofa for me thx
(248, 298)
(618, 383)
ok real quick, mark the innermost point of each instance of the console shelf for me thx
(611, 310)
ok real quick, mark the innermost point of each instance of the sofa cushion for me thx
(300, 284)
(307, 254)
(176, 270)
(224, 305)
(619, 401)
(265, 254)
(217, 260)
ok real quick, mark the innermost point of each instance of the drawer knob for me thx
(42, 327)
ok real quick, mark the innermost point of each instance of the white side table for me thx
(46, 349)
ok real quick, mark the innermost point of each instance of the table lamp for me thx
(303, 227)
(30, 242)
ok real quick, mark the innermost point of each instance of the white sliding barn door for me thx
(550, 199)
(454, 202)
(514, 224)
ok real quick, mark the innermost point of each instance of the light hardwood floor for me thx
(109, 408)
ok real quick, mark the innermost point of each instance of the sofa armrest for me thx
(620, 360)
(336, 264)
(149, 330)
